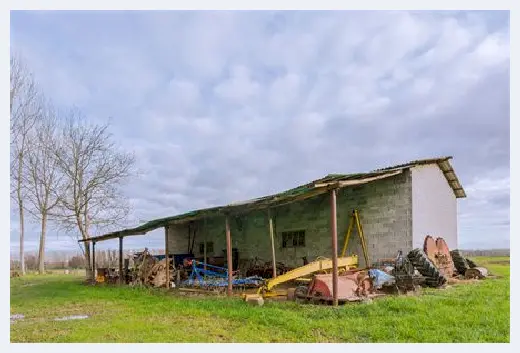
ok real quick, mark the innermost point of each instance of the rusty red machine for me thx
(354, 284)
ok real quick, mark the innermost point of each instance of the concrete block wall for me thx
(385, 208)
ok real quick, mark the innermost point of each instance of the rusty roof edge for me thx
(278, 197)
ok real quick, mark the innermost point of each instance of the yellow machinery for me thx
(320, 265)
(317, 266)
(354, 220)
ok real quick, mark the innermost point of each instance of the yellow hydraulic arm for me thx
(313, 267)
(354, 219)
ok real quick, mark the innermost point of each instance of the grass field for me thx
(476, 312)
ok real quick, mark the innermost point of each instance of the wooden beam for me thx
(121, 274)
(167, 256)
(358, 181)
(271, 234)
(109, 237)
(229, 259)
(334, 236)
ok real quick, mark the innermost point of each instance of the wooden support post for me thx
(229, 259)
(121, 274)
(93, 260)
(271, 234)
(167, 256)
(334, 236)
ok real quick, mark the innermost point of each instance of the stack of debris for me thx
(264, 269)
(148, 271)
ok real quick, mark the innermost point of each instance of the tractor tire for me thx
(460, 262)
(419, 260)
(471, 263)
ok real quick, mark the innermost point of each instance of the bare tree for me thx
(94, 170)
(43, 179)
(25, 107)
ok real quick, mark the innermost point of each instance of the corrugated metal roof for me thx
(302, 192)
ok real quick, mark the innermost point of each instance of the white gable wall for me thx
(434, 206)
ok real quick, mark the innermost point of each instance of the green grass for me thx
(477, 312)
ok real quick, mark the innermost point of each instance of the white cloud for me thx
(230, 105)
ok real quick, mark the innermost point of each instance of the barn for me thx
(398, 206)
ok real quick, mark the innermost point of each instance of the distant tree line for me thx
(60, 260)
(66, 171)
(491, 252)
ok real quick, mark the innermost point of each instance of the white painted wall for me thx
(434, 206)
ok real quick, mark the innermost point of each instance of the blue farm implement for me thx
(204, 275)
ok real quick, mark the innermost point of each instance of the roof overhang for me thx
(300, 193)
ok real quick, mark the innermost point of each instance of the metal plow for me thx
(439, 254)
(352, 286)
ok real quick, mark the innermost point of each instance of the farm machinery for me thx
(316, 276)
(207, 276)
(431, 266)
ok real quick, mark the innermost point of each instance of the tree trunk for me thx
(41, 251)
(20, 209)
(22, 256)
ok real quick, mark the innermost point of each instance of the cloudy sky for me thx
(224, 106)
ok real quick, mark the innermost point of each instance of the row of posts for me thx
(334, 238)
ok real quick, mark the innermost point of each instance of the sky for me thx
(226, 106)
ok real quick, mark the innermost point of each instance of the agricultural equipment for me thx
(353, 285)
(318, 266)
(404, 274)
(431, 274)
(476, 272)
(264, 269)
(354, 220)
(439, 254)
(462, 264)
(205, 275)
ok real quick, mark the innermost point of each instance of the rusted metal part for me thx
(439, 254)
(167, 256)
(444, 260)
(334, 236)
(352, 286)
(229, 259)
(271, 235)
(430, 248)
(122, 275)
(476, 272)
(265, 269)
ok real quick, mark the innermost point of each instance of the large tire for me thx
(471, 263)
(459, 261)
(419, 260)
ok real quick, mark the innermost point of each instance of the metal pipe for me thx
(334, 236)
(93, 260)
(271, 233)
(229, 259)
(121, 274)
(205, 245)
(167, 256)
